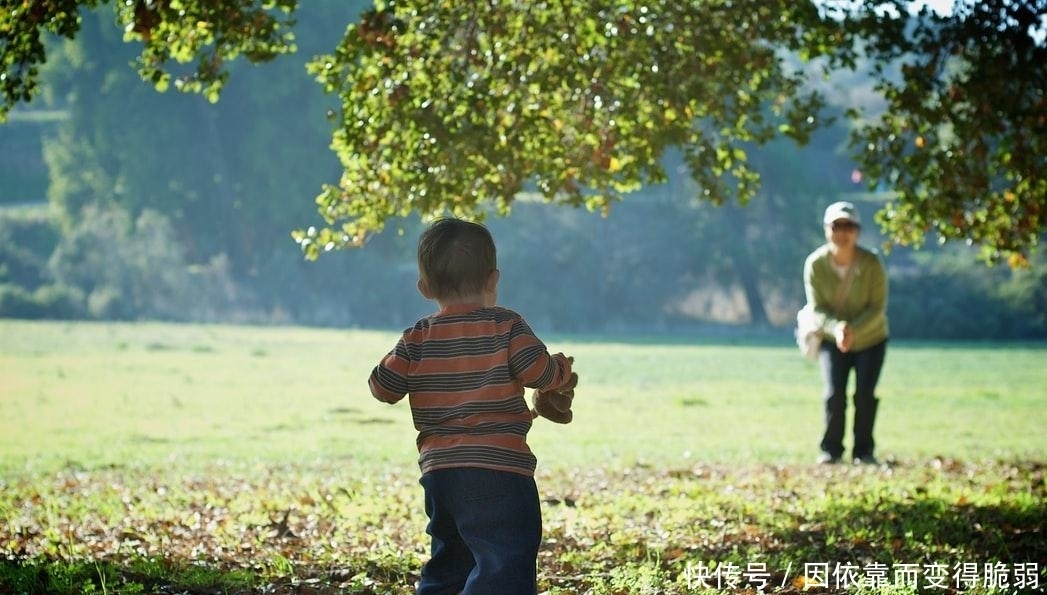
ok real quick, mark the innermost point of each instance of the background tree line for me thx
(161, 206)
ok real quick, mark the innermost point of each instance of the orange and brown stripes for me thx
(466, 369)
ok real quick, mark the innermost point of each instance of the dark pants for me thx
(486, 527)
(836, 369)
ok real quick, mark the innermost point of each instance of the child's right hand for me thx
(566, 364)
(555, 404)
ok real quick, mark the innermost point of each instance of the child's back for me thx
(466, 368)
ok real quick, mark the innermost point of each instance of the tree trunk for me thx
(744, 267)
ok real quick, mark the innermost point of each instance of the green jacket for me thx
(865, 307)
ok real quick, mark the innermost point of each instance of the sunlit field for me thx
(152, 457)
(95, 395)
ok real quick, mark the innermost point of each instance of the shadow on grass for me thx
(953, 546)
(645, 533)
(166, 577)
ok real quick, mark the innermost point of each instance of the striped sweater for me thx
(465, 369)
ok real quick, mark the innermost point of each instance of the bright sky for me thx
(942, 6)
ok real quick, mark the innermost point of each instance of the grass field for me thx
(152, 457)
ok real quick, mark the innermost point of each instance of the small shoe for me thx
(827, 459)
(866, 460)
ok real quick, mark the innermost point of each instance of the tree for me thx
(225, 175)
(962, 139)
(178, 31)
(447, 108)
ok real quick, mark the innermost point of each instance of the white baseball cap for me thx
(841, 210)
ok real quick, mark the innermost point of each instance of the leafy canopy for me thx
(172, 33)
(451, 107)
(445, 107)
(962, 140)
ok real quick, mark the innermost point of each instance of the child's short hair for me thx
(456, 257)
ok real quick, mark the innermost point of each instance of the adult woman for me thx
(846, 288)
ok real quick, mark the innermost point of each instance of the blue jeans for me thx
(486, 527)
(836, 369)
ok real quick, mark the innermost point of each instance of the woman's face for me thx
(842, 233)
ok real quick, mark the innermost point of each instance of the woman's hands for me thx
(844, 335)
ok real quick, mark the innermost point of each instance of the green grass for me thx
(157, 458)
(97, 395)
